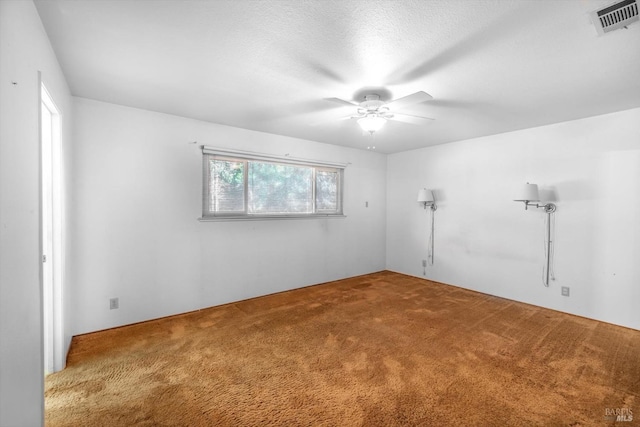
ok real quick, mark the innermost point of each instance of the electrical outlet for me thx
(114, 303)
(565, 291)
(424, 262)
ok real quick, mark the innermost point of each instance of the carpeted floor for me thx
(377, 350)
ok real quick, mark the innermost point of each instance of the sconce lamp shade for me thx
(425, 196)
(529, 192)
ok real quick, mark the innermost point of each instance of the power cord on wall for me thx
(431, 242)
(549, 249)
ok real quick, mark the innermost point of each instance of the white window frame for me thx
(247, 157)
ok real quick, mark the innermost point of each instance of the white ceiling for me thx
(492, 66)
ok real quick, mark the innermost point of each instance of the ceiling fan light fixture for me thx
(371, 123)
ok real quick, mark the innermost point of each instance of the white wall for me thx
(138, 192)
(24, 50)
(486, 242)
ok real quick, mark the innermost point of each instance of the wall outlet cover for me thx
(114, 303)
(565, 291)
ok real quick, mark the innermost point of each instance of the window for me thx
(240, 185)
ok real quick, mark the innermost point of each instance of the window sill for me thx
(265, 217)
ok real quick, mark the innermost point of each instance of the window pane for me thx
(326, 191)
(226, 186)
(280, 189)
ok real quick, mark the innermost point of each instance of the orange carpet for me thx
(383, 349)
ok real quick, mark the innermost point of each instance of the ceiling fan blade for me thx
(410, 118)
(341, 101)
(350, 116)
(405, 101)
(413, 115)
(332, 120)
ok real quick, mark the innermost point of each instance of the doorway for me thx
(51, 232)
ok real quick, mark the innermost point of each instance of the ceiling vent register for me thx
(616, 16)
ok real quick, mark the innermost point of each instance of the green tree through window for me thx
(280, 189)
(245, 187)
(227, 185)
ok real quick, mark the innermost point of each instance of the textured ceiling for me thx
(268, 65)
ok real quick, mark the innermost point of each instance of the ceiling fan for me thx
(373, 113)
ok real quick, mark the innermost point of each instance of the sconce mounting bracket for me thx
(548, 208)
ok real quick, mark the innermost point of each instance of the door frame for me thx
(51, 233)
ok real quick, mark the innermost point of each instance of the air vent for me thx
(616, 16)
